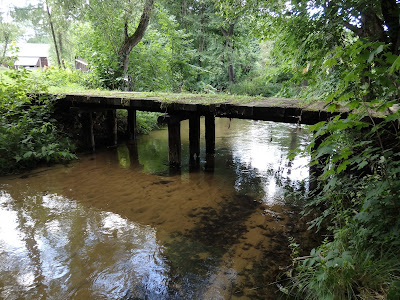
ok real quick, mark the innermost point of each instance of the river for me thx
(118, 224)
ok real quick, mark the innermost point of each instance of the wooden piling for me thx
(174, 142)
(112, 126)
(131, 124)
(87, 129)
(210, 134)
(194, 138)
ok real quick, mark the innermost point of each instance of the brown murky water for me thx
(118, 225)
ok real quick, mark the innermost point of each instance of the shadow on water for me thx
(119, 225)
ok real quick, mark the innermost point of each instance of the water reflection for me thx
(76, 253)
(116, 225)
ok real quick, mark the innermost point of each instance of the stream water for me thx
(118, 224)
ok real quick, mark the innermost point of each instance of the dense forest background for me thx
(152, 45)
(343, 52)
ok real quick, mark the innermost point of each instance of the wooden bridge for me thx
(178, 107)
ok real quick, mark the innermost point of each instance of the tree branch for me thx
(132, 40)
(355, 29)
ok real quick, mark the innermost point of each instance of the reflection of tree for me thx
(153, 154)
(74, 252)
(23, 211)
(128, 156)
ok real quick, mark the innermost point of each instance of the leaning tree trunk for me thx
(6, 42)
(53, 34)
(60, 43)
(130, 41)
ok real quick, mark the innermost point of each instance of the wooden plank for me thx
(210, 134)
(194, 138)
(112, 126)
(174, 142)
(131, 124)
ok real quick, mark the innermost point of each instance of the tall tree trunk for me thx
(130, 41)
(183, 14)
(231, 72)
(201, 41)
(60, 47)
(6, 42)
(53, 34)
(391, 16)
(229, 44)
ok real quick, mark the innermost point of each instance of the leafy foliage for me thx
(358, 188)
(28, 133)
(345, 52)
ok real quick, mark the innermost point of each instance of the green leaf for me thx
(343, 166)
(395, 66)
(28, 154)
(362, 164)
(321, 275)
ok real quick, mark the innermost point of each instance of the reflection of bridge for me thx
(192, 107)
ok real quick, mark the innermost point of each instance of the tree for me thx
(220, 42)
(120, 16)
(52, 21)
(8, 33)
(131, 40)
(53, 35)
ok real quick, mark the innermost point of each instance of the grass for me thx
(64, 82)
(189, 98)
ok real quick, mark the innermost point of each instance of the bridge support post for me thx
(174, 142)
(194, 139)
(131, 124)
(112, 126)
(87, 128)
(210, 134)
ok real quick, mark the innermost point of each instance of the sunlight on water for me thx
(49, 250)
(118, 225)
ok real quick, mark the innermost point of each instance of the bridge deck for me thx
(256, 108)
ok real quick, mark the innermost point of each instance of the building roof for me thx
(27, 61)
(33, 50)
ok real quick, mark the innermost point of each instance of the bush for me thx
(28, 133)
(358, 193)
(258, 86)
(65, 78)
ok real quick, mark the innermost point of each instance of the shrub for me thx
(258, 86)
(28, 133)
(358, 191)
